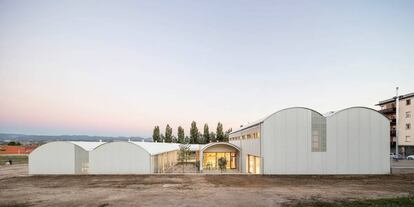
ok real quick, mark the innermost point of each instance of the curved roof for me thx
(331, 113)
(353, 107)
(299, 107)
(88, 146)
(218, 143)
(263, 119)
(155, 148)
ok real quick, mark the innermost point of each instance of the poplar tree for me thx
(156, 134)
(206, 135)
(180, 135)
(219, 132)
(194, 134)
(168, 134)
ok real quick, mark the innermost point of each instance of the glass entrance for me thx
(253, 164)
(210, 161)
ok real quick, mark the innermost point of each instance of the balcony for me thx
(393, 121)
(393, 133)
(388, 111)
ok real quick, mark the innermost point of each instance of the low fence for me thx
(402, 166)
(15, 159)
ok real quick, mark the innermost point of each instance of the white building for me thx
(290, 141)
(302, 141)
(61, 157)
(134, 157)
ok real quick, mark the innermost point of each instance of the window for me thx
(407, 126)
(249, 136)
(318, 133)
(256, 135)
(210, 161)
(408, 102)
(408, 114)
(253, 164)
(407, 138)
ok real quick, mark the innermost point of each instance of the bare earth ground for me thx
(192, 190)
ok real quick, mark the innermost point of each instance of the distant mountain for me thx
(37, 138)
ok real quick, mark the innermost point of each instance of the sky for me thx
(118, 68)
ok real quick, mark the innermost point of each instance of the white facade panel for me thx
(362, 137)
(356, 142)
(286, 143)
(248, 147)
(55, 158)
(119, 158)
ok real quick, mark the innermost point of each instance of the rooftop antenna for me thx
(397, 106)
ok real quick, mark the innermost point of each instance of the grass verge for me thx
(383, 202)
(16, 159)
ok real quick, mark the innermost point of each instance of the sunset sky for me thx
(120, 67)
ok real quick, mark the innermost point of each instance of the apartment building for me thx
(405, 122)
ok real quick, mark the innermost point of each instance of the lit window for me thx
(408, 114)
(408, 102)
(407, 138)
(407, 126)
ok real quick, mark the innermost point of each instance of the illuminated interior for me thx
(253, 164)
(210, 161)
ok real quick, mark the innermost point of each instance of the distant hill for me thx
(40, 138)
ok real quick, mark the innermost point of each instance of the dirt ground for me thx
(193, 190)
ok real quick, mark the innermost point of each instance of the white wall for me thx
(248, 147)
(286, 139)
(57, 158)
(119, 158)
(81, 160)
(357, 143)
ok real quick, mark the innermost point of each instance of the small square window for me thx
(408, 102)
(408, 114)
(408, 138)
(407, 126)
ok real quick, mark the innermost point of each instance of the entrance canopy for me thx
(211, 153)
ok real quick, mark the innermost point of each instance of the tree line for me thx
(196, 137)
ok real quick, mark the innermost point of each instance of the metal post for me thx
(397, 108)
